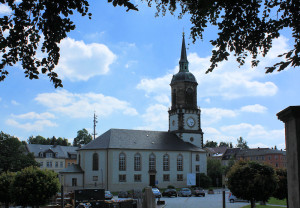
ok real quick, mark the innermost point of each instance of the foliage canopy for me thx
(252, 181)
(215, 171)
(49, 141)
(6, 179)
(245, 27)
(34, 187)
(282, 189)
(13, 156)
(83, 137)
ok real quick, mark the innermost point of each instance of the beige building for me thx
(53, 157)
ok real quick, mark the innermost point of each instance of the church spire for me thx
(183, 63)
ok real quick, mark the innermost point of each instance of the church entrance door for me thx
(152, 180)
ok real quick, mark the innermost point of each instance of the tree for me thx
(215, 171)
(49, 141)
(241, 143)
(282, 191)
(13, 156)
(226, 144)
(205, 181)
(252, 181)
(210, 144)
(246, 26)
(6, 179)
(83, 137)
(34, 187)
(36, 140)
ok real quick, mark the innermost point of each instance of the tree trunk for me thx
(252, 203)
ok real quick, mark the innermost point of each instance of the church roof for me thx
(140, 139)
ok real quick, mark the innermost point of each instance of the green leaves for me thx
(83, 137)
(251, 180)
(30, 20)
(12, 155)
(245, 26)
(34, 187)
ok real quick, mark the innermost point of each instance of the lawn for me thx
(261, 206)
(276, 201)
(271, 201)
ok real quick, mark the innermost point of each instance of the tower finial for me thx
(183, 63)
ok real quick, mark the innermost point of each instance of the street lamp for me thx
(62, 191)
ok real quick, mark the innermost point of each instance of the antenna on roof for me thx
(95, 121)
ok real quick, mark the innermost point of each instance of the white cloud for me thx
(255, 133)
(83, 105)
(163, 98)
(33, 115)
(254, 108)
(13, 102)
(213, 115)
(156, 86)
(4, 9)
(155, 118)
(38, 125)
(130, 64)
(207, 100)
(80, 61)
(227, 81)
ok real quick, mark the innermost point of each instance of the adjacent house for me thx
(273, 157)
(53, 157)
(215, 152)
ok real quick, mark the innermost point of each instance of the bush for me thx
(171, 187)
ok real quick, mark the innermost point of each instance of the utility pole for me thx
(95, 121)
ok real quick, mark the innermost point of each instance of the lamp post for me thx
(101, 178)
(62, 191)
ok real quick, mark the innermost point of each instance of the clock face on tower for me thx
(190, 122)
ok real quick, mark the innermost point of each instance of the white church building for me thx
(123, 159)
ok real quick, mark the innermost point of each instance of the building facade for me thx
(275, 158)
(122, 159)
(53, 157)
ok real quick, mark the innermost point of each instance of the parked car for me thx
(185, 192)
(170, 192)
(108, 195)
(232, 199)
(198, 191)
(123, 194)
(156, 192)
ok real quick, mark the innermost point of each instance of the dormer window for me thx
(56, 154)
(49, 155)
(41, 154)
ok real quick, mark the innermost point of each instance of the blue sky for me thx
(120, 64)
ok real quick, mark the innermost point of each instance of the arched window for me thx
(95, 161)
(166, 160)
(179, 163)
(197, 157)
(190, 96)
(137, 162)
(174, 98)
(122, 161)
(152, 162)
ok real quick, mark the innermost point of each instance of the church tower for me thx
(184, 114)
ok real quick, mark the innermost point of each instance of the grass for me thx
(272, 201)
(260, 206)
(277, 201)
